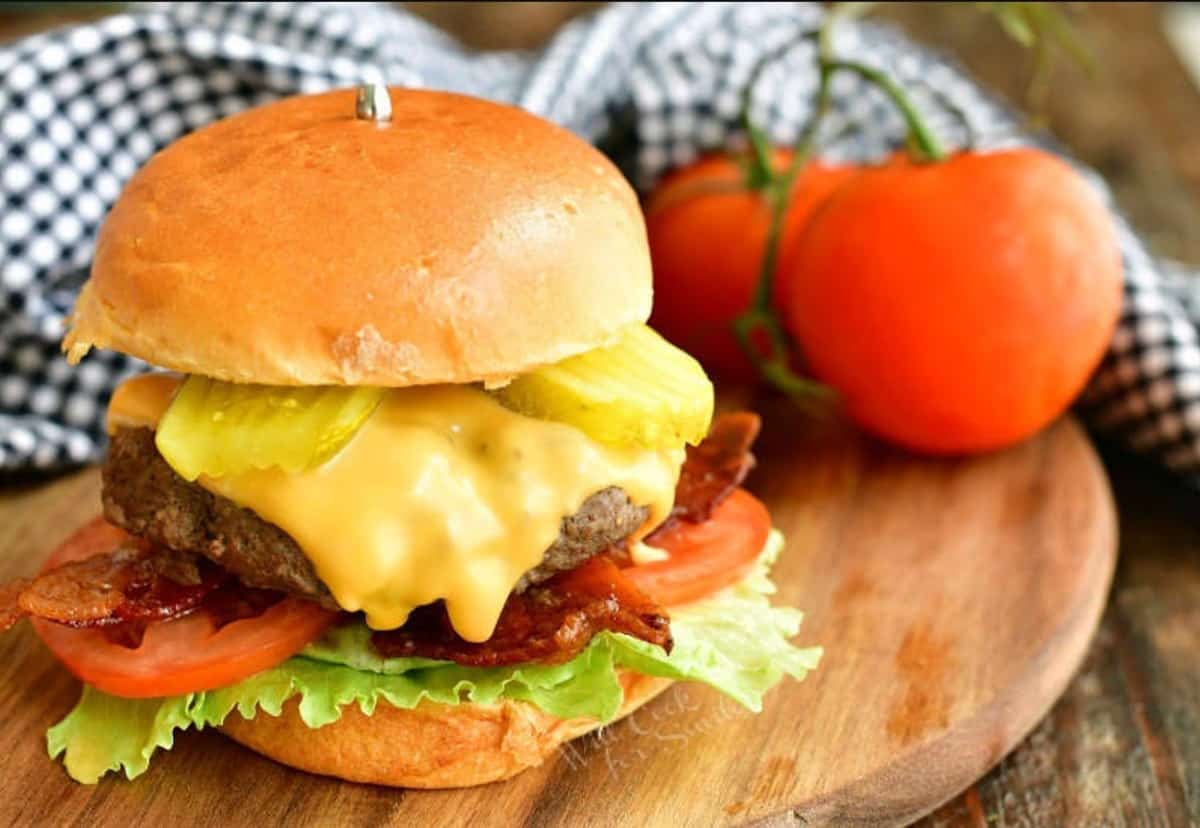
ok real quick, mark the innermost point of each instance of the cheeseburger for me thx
(417, 495)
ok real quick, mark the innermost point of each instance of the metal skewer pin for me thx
(373, 103)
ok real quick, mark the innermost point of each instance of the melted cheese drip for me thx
(443, 493)
(641, 553)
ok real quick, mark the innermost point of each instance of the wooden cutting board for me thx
(954, 600)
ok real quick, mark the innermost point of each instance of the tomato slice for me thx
(183, 655)
(708, 556)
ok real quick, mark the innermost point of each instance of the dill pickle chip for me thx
(642, 390)
(221, 428)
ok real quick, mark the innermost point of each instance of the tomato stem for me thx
(761, 169)
(807, 142)
(926, 142)
(774, 366)
(759, 319)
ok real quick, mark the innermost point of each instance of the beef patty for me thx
(143, 495)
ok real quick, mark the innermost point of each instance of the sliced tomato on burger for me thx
(183, 655)
(708, 556)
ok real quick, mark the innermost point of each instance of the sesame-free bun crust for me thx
(430, 746)
(295, 244)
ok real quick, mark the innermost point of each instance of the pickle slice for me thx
(221, 428)
(641, 391)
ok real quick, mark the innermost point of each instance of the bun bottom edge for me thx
(430, 746)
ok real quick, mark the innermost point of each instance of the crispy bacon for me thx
(130, 583)
(230, 601)
(716, 466)
(129, 588)
(550, 623)
(234, 601)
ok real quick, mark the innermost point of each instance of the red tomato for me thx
(179, 656)
(708, 556)
(956, 306)
(708, 235)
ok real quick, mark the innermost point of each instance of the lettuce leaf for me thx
(735, 641)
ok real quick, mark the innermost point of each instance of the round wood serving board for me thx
(954, 600)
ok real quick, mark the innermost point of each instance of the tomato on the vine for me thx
(958, 305)
(708, 232)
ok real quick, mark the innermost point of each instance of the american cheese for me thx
(141, 401)
(443, 493)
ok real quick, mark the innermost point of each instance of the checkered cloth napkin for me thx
(653, 85)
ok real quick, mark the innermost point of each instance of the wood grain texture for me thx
(954, 598)
(1122, 746)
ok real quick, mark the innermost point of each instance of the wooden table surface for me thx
(1122, 747)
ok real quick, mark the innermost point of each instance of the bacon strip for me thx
(716, 466)
(234, 601)
(550, 623)
(126, 584)
(129, 588)
(230, 601)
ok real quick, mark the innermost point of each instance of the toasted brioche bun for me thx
(430, 746)
(294, 244)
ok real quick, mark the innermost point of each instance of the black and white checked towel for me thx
(652, 84)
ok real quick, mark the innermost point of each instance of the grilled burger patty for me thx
(143, 495)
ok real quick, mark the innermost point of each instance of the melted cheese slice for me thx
(443, 493)
(141, 401)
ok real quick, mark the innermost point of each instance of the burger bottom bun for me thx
(430, 746)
